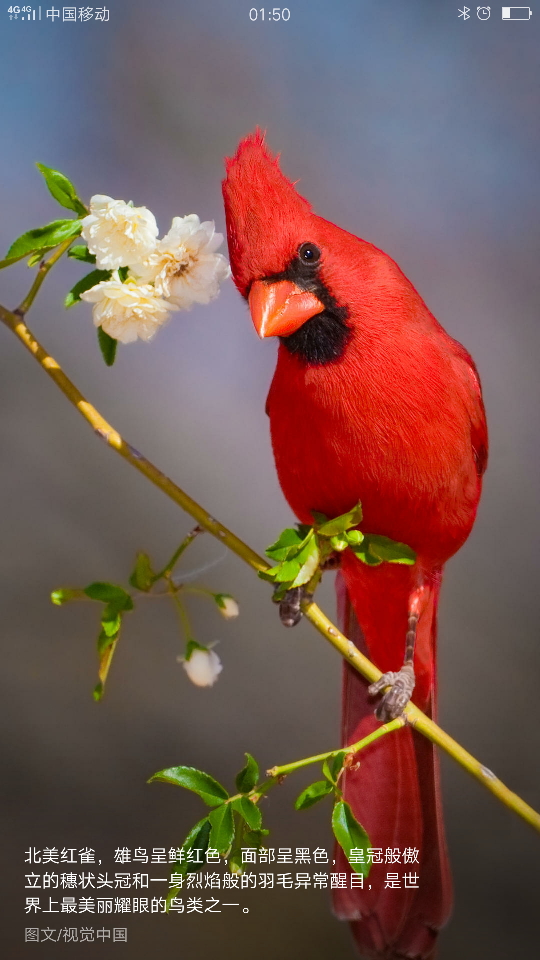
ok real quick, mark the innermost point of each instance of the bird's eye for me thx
(309, 253)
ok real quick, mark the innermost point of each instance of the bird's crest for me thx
(263, 210)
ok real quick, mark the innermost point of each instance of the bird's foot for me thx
(290, 610)
(394, 701)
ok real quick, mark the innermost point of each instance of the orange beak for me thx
(280, 308)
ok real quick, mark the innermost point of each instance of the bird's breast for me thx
(404, 453)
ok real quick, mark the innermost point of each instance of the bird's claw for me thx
(290, 611)
(394, 701)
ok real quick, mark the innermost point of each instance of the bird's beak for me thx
(280, 308)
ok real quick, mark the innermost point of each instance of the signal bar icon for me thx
(516, 13)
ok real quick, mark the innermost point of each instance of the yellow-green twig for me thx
(182, 616)
(168, 569)
(43, 270)
(326, 628)
(287, 768)
(276, 774)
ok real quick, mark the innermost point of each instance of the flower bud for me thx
(354, 537)
(203, 667)
(228, 606)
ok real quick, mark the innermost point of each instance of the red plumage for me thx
(395, 420)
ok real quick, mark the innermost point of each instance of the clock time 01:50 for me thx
(275, 14)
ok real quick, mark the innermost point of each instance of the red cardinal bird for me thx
(373, 401)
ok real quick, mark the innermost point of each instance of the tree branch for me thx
(345, 647)
(287, 768)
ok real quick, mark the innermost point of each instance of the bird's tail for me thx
(395, 795)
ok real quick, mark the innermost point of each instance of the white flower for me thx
(203, 667)
(184, 266)
(227, 605)
(127, 310)
(118, 234)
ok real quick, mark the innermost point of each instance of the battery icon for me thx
(516, 13)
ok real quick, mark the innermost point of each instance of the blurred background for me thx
(414, 129)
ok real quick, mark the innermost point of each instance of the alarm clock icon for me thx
(483, 13)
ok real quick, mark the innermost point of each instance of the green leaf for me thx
(192, 842)
(222, 823)
(197, 841)
(389, 550)
(109, 592)
(312, 794)
(44, 238)
(62, 189)
(107, 345)
(111, 620)
(350, 835)
(309, 560)
(255, 838)
(336, 763)
(192, 779)
(105, 640)
(308, 547)
(248, 776)
(249, 811)
(288, 570)
(327, 772)
(333, 527)
(288, 543)
(81, 252)
(301, 559)
(306, 572)
(117, 601)
(86, 283)
(331, 768)
(106, 646)
(35, 258)
(142, 576)
(123, 273)
(173, 893)
(363, 554)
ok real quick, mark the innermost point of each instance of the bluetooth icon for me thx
(464, 13)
